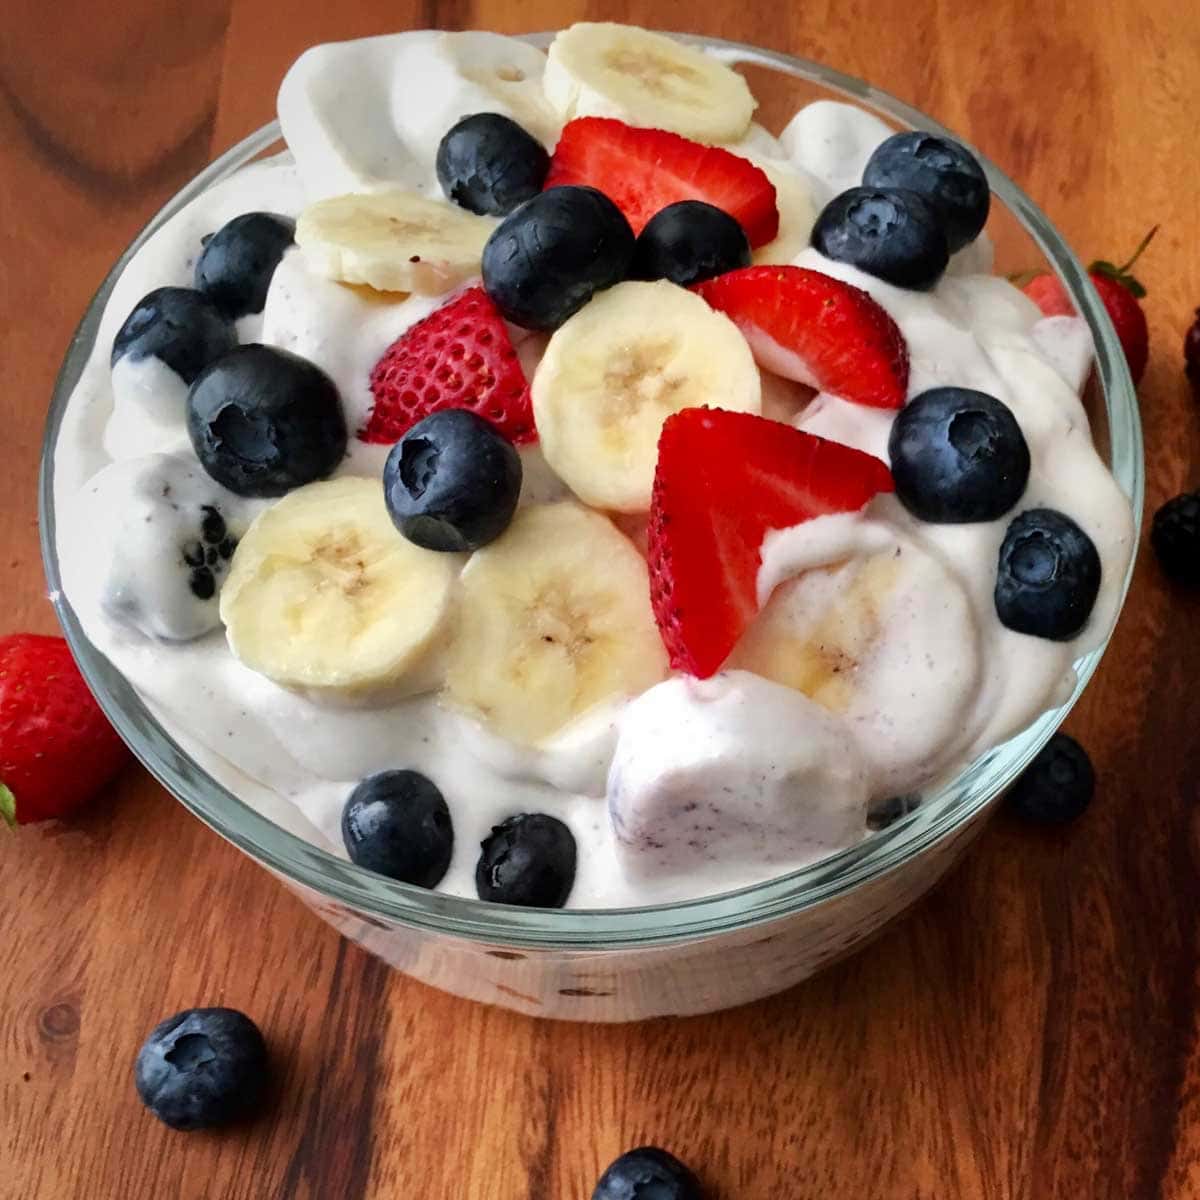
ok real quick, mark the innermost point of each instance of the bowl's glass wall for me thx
(1024, 239)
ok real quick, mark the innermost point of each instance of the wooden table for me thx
(1029, 1032)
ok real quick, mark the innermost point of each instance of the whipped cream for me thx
(692, 787)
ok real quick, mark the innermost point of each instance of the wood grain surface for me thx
(1030, 1031)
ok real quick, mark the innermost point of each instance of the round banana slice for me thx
(644, 78)
(555, 620)
(323, 594)
(394, 241)
(615, 371)
(797, 212)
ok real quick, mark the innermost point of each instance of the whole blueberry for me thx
(178, 326)
(548, 257)
(263, 421)
(397, 824)
(947, 174)
(1048, 576)
(1057, 786)
(452, 481)
(527, 860)
(893, 234)
(689, 241)
(202, 1067)
(957, 456)
(488, 164)
(237, 263)
(647, 1173)
(1175, 536)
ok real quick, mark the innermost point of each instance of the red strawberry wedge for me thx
(643, 170)
(57, 748)
(723, 480)
(816, 329)
(460, 356)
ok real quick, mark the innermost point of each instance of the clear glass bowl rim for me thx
(578, 929)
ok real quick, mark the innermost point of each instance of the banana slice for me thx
(797, 212)
(615, 371)
(394, 241)
(887, 640)
(323, 594)
(644, 78)
(555, 620)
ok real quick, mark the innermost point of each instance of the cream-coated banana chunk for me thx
(794, 193)
(600, 69)
(872, 627)
(394, 241)
(554, 621)
(325, 596)
(615, 371)
(733, 771)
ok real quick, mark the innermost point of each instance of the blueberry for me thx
(203, 583)
(488, 164)
(527, 860)
(1048, 576)
(178, 326)
(547, 259)
(647, 1173)
(957, 456)
(263, 421)
(1057, 786)
(397, 824)
(689, 241)
(890, 233)
(237, 263)
(452, 481)
(1175, 536)
(202, 1067)
(946, 174)
(888, 811)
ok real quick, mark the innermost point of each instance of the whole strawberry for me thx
(57, 748)
(1121, 294)
(1191, 354)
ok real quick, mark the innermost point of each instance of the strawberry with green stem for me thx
(1121, 293)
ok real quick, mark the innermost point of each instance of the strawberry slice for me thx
(723, 480)
(460, 356)
(817, 330)
(644, 170)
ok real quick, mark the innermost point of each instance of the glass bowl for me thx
(695, 956)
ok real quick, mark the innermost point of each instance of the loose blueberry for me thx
(178, 326)
(263, 421)
(547, 259)
(647, 1173)
(946, 174)
(237, 263)
(890, 233)
(397, 824)
(1048, 576)
(203, 583)
(690, 241)
(1175, 536)
(1057, 786)
(489, 165)
(203, 1067)
(528, 860)
(957, 456)
(452, 482)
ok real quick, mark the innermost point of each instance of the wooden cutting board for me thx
(1028, 1032)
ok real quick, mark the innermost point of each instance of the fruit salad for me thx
(542, 483)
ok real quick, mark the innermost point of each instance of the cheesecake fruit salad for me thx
(547, 485)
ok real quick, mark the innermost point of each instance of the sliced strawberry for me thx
(816, 329)
(723, 480)
(457, 357)
(644, 170)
